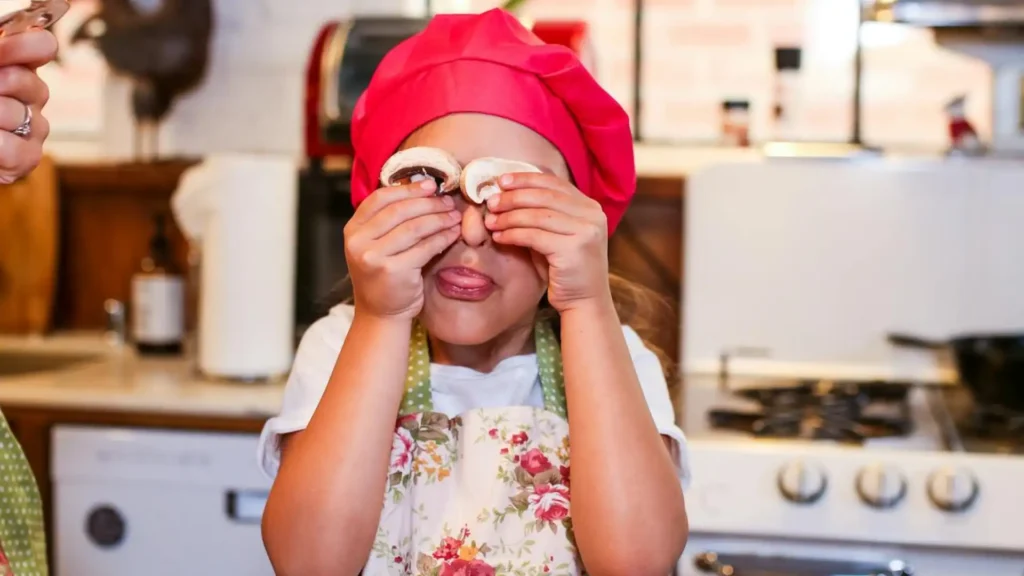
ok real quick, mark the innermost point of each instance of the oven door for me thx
(753, 565)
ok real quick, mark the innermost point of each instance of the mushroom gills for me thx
(414, 174)
(419, 163)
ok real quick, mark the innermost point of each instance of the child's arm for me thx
(324, 507)
(625, 488)
(627, 501)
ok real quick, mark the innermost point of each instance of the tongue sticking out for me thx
(464, 278)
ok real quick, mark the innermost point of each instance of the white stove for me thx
(898, 505)
(799, 271)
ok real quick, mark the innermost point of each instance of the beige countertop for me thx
(679, 161)
(115, 379)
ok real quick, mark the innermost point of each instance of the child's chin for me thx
(456, 324)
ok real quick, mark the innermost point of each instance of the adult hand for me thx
(548, 215)
(393, 234)
(22, 90)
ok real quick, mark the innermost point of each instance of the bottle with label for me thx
(158, 298)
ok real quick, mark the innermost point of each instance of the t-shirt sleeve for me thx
(655, 387)
(314, 361)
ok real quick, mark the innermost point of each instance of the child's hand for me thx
(393, 234)
(550, 216)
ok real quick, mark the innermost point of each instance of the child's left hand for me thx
(548, 215)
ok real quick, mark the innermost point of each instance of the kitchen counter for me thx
(653, 161)
(121, 381)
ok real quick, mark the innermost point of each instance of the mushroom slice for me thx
(419, 163)
(479, 179)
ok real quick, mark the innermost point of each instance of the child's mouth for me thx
(462, 283)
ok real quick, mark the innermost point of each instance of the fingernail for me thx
(490, 219)
(448, 201)
(455, 215)
(506, 180)
(428, 184)
(492, 202)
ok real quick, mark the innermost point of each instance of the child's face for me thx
(503, 285)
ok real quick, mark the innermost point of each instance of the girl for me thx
(490, 334)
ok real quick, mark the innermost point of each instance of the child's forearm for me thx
(624, 485)
(323, 510)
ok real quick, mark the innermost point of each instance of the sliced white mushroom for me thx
(479, 179)
(419, 163)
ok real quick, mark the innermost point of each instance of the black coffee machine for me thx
(345, 56)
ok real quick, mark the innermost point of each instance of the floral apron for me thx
(22, 539)
(484, 493)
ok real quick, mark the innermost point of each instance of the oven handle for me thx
(245, 506)
(745, 565)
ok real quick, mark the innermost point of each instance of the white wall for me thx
(252, 98)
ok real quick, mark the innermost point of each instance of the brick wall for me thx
(697, 53)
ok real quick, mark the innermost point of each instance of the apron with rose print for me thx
(485, 493)
(22, 540)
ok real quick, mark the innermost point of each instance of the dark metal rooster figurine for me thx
(163, 45)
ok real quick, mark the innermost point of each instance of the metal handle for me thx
(39, 14)
(245, 506)
(738, 564)
(911, 341)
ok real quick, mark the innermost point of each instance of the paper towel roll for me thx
(242, 211)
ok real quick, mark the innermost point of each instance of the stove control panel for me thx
(802, 482)
(881, 486)
(953, 490)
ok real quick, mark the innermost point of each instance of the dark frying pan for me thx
(991, 366)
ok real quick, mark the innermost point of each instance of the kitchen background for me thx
(846, 316)
(696, 54)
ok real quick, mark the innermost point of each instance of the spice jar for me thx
(736, 123)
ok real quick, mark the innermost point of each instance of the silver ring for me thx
(25, 128)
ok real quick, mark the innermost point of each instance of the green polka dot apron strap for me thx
(22, 537)
(418, 397)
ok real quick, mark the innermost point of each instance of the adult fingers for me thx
(19, 156)
(23, 85)
(32, 48)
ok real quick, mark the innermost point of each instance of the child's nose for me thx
(474, 233)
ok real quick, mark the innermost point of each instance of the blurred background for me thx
(829, 206)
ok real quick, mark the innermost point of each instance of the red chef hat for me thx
(489, 63)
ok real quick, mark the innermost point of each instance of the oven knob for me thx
(802, 483)
(953, 490)
(881, 486)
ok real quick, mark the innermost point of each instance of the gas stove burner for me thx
(822, 410)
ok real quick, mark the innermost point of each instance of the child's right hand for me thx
(392, 236)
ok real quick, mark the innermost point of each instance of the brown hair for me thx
(649, 314)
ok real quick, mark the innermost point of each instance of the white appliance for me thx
(129, 502)
(802, 463)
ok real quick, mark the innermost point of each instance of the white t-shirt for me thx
(513, 382)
